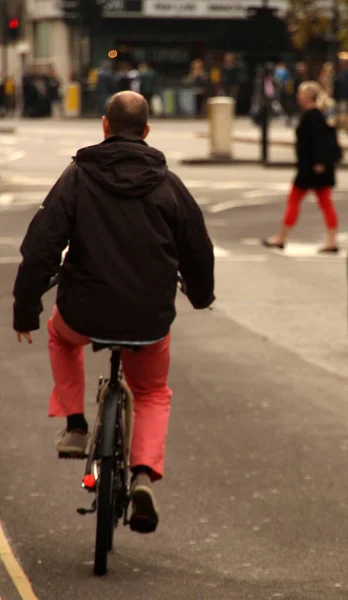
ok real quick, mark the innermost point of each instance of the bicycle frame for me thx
(111, 406)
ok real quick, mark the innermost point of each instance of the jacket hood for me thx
(123, 166)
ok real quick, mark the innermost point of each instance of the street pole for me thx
(335, 32)
(4, 41)
(265, 110)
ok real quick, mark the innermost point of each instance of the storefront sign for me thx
(122, 8)
(214, 9)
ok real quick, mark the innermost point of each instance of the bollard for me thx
(72, 101)
(221, 113)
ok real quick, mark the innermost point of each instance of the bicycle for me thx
(107, 473)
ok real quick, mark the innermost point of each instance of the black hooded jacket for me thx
(131, 225)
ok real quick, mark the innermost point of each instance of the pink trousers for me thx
(146, 373)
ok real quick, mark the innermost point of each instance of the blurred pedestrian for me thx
(300, 76)
(282, 79)
(2, 98)
(28, 93)
(121, 81)
(328, 106)
(326, 78)
(341, 93)
(10, 95)
(215, 78)
(104, 87)
(54, 92)
(134, 80)
(231, 76)
(316, 170)
(148, 83)
(199, 81)
(264, 98)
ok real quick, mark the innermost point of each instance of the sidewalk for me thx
(246, 132)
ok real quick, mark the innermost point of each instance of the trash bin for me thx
(169, 102)
(72, 103)
(221, 113)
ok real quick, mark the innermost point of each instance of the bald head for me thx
(127, 113)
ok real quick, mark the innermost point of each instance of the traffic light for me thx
(13, 29)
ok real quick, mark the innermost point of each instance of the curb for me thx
(199, 161)
(246, 162)
(239, 139)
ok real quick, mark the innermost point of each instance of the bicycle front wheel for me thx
(105, 517)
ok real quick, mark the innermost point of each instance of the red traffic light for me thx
(13, 24)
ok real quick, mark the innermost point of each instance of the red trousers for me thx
(325, 203)
(147, 376)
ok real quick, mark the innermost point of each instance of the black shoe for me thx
(145, 513)
(269, 244)
(329, 250)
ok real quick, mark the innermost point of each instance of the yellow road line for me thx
(14, 569)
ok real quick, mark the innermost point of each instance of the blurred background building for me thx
(74, 38)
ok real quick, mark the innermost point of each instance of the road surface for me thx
(254, 502)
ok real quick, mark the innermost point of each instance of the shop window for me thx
(42, 39)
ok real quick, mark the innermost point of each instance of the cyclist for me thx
(131, 225)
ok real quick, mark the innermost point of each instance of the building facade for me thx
(167, 33)
(49, 37)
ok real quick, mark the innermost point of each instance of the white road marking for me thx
(301, 251)
(14, 569)
(20, 200)
(229, 256)
(18, 155)
(261, 193)
(174, 155)
(258, 258)
(305, 251)
(250, 242)
(9, 140)
(342, 236)
(229, 204)
(228, 185)
(6, 199)
(220, 252)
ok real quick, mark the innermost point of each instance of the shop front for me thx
(169, 35)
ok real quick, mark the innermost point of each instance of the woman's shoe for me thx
(329, 250)
(269, 244)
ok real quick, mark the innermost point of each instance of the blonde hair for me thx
(312, 88)
(328, 107)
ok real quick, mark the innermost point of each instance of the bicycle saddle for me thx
(98, 346)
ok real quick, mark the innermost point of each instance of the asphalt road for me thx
(255, 498)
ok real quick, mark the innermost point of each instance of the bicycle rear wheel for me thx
(105, 516)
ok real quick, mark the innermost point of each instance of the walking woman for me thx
(199, 80)
(317, 156)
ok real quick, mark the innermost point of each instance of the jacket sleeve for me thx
(47, 236)
(194, 247)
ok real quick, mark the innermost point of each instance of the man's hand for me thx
(319, 169)
(26, 335)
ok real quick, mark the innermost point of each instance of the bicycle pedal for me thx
(72, 456)
(85, 511)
